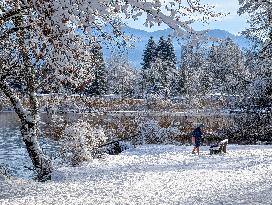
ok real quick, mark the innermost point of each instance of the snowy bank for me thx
(155, 174)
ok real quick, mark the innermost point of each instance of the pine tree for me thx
(212, 62)
(193, 59)
(159, 74)
(98, 86)
(156, 84)
(171, 56)
(150, 54)
(149, 58)
(167, 56)
(226, 67)
(181, 81)
(186, 56)
(259, 65)
(172, 70)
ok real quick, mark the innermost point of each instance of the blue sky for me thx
(232, 23)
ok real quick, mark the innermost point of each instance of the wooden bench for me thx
(219, 148)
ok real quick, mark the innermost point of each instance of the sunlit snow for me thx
(155, 174)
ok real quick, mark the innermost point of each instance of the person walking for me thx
(197, 138)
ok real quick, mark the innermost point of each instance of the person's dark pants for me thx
(197, 144)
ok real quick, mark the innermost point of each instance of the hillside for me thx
(141, 37)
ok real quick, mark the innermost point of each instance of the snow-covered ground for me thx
(155, 174)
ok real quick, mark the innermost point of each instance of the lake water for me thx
(13, 153)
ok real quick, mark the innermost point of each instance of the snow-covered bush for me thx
(80, 142)
(249, 128)
(55, 127)
(151, 132)
(95, 138)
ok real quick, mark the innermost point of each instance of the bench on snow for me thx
(219, 148)
(114, 147)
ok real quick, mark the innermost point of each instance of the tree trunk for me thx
(29, 131)
(42, 163)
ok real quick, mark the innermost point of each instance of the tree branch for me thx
(13, 30)
(10, 14)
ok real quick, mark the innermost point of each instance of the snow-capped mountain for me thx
(141, 38)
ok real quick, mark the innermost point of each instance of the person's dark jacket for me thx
(197, 134)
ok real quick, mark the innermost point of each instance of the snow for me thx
(191, 112)
(155, 174)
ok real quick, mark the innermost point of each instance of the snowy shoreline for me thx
(155, 174)
(190, 112)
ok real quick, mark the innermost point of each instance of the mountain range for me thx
(141, 38)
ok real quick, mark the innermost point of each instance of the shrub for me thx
(151, 132)
(80, 142)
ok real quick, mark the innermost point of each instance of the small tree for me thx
(121, 76)
(98, 85)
